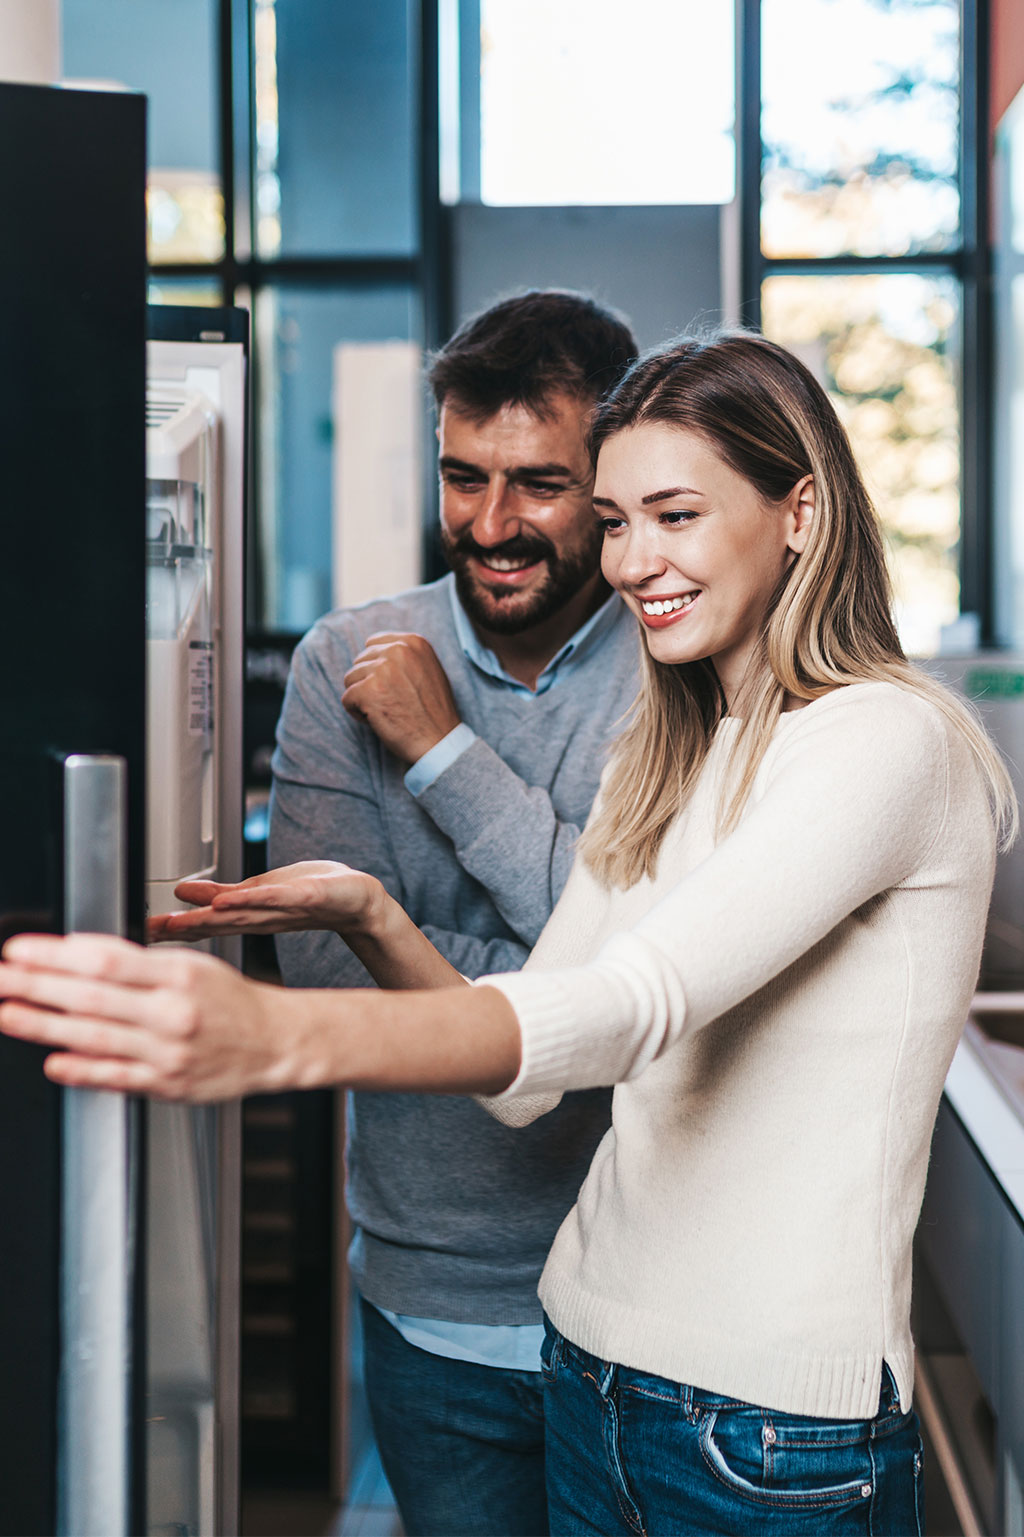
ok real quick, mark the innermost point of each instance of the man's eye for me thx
(543, 487)
(464, 482)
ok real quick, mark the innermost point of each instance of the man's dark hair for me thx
(522, 350)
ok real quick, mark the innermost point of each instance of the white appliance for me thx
(195, 518)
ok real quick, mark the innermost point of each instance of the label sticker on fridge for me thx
(200, 687)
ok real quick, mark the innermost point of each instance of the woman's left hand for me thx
(162, 1023)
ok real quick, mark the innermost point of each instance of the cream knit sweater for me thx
(778, 1013)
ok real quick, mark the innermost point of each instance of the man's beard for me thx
(506, 612)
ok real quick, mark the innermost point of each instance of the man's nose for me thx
(497, 518)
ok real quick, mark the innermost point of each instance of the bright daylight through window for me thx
(860, 124)
(590, 102)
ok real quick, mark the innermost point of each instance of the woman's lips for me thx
(664, 620)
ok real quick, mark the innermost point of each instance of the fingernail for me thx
(18, 946)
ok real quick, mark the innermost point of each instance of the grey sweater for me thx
(455, 1213)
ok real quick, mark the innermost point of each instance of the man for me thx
(449, 740)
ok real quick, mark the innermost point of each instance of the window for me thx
(861, 209)
(293, 168)
(580, 103)
(167, 51)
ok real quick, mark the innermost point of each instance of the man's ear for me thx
(800, 512)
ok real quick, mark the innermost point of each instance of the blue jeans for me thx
(462, 1445)
(633, 1453)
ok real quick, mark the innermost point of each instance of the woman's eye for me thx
(611, 525)
(676, 517)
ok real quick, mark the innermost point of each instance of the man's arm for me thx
(325, 805)
(506, 833)
(303, 819)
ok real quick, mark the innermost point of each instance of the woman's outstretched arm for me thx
(178, 1026)
(315, 894)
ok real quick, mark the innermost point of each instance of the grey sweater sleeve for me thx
(324, 806)
(506, 834)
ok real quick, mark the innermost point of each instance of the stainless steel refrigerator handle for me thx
(97, 1205)
(95, 843)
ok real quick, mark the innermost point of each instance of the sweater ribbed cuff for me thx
(549, 1007)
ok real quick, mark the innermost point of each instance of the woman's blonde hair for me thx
(829, 622)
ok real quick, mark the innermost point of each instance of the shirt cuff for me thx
(440, 757)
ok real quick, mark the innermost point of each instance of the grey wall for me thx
(660, 266)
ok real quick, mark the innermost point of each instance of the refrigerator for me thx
(123, 433)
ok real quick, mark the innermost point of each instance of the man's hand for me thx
(156, 1022)
(315, 894)
(399, 688)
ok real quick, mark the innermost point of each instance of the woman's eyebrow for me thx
(655, 496)
(663, 496)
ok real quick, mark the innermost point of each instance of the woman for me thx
(769, 943)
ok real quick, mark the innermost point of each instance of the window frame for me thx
(242, 274)
(968, 264)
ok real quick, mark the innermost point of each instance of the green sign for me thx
(993, 683)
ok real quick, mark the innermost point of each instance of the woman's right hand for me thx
(314, 894)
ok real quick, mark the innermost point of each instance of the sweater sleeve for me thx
(327, 804)
(506, 834)
(854, 798)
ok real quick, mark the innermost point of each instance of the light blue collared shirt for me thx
(515, 1347)
(562, 665)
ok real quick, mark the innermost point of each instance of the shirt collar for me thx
(575, 649)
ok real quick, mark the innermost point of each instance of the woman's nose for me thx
(638, 558)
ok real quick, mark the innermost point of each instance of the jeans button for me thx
(769, 1435)
(865, 1491)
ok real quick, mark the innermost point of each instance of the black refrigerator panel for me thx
(72, 707)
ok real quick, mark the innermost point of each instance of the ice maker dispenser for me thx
(182, 630)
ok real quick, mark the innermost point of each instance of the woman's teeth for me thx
(667, 605)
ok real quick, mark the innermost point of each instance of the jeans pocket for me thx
(550, 1353)
(784, 1462)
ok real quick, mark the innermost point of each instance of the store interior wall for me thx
(661, 267)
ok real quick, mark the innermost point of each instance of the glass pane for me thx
(860, 122)
(589, 102)
(335, 99)
(166, 49)
(295, 333)
(206, 292)
(886, 349)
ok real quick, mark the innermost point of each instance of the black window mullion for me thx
(976, 339)
(750, 152)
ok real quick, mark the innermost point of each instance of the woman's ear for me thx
(800, 512)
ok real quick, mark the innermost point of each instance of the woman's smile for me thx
(659, 612)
